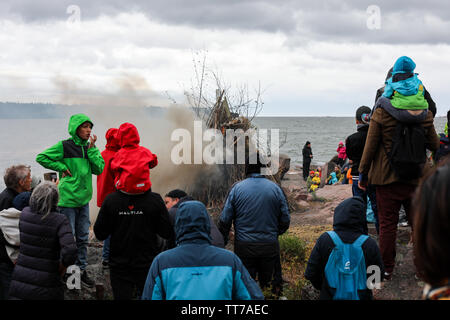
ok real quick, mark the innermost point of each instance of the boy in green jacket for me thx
(76, 159)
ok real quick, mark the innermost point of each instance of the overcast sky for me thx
(311, 58)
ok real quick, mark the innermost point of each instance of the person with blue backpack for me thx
(401, 130)
(339, 262)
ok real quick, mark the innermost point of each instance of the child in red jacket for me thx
(105, 180)
(342, 155)
(132, 163)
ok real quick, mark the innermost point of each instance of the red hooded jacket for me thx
(105, 180)
(132, 163)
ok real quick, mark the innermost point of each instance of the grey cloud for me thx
(402, 21)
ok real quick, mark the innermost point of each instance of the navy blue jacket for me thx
(44, 244)
(216, 236)
(195, 269)
(349, 223)
(259, 210)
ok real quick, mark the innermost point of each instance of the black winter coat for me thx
(349, 221)
(355, 146)
(6, 198)
(133, 221)
(44, 243)
(307, 153)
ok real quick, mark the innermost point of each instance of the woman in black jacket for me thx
(47, 247)
(307, 156)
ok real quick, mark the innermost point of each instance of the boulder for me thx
(284, 165)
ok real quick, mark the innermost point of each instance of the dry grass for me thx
(294, 270)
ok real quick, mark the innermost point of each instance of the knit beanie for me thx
(404, 65)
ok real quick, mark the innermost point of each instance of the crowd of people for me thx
(392, 172)
(172, 249)
(153, 248)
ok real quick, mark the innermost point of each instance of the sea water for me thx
(22, 139)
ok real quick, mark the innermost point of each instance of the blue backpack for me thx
(346, 268)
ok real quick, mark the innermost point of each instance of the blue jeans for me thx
(105, 251)
(371, 193)
(79, 222)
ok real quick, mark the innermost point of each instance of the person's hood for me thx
(341, 143)
(11, 213)
(407, 116)
(192, 223)
(407, 87)
(112, 139)
(350, 215)
(404, 65)
(128, 135)
(75, 121)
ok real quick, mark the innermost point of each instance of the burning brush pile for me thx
(213, 183)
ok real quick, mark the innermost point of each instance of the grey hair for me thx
(44, 198)
(14, 174)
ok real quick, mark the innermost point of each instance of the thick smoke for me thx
(126, 104)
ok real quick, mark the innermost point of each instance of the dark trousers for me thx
(277, 281)
(306, 165)
(260, 268)
(389, 200)
(128, 285)
(371, 193)
(6, 271)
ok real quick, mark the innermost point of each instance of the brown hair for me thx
(432, 226)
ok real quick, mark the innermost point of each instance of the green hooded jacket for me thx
(73, 154)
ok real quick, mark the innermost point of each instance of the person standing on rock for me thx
(260, 213)
(132, 217)
(17, 179)
(105, 180)
(355, 146)
(394, 157)
(342, 155)
(76, 159)
(307, 157)
(47, 248)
